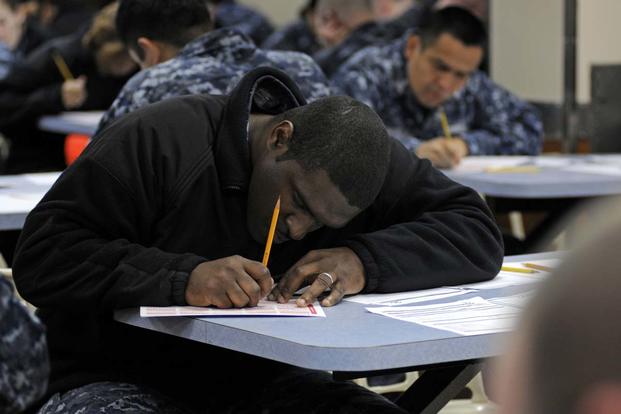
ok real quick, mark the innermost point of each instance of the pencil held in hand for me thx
(62, 66)
(270, 234)
(445, 125)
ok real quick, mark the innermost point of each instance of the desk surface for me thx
(348, 339)
(85, 122)
(559, 176)
(19, 194)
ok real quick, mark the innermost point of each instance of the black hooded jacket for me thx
(164, 189)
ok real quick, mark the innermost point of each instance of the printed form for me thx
(264, 308)
(475, 316)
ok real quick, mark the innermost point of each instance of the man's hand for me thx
(74, 92)
(341, 263)
(443, 152)
(229, 282)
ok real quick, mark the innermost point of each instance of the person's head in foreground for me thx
(327, 160)
(565, 356)
(442, 54)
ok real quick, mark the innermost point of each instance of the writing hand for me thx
(443, 152)
(73, 92)
(228, 282)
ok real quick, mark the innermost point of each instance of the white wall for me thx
(279, 12)
(527, 47)
(599, 40)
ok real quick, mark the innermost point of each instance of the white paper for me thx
(475, 164)
(404, 298)
(264, 308)
(519, 300)
(475, 316)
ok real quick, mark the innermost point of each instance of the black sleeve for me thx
(429, 231)
(86, 245)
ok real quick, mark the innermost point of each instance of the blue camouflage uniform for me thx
(246, 20)
(295, 36)
(489, 118)
(24, 365)
(330, 59)
(397, 27)
(6, 60)
(213, 63)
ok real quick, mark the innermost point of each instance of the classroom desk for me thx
(77, 122)
(19, 194)
(352, 343)
(561, 183)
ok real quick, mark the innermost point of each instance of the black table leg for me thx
(436, 387)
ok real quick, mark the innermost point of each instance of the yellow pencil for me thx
(62, 66)
(517, 269)
(445, 125)
(538, 267)
(270, 234)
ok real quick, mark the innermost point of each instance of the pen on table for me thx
(517, 269)
(538, 267)
(62, 66)
(445, 125)
(270, 234)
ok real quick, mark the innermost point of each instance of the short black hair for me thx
(176, 22)
(456, 21)
(345, 138)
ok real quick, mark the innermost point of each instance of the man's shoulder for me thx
(377, 59)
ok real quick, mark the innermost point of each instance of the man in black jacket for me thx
(171, 206)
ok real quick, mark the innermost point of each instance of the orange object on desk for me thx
(74, 145)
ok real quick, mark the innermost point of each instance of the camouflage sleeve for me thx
(305, 72)
(506, 124)
(24, 365)
(126, 100)
(362, 77)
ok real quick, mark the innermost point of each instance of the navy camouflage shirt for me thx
(6, 60)
(213, 63)
(24, 365)
(489, 118)
(330, 59)
(295, 36)
(246, 20)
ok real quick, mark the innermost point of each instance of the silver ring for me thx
(329, 277)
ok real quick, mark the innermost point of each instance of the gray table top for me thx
(563, 176)
(85, 122)
(348, 339)
(19, 194)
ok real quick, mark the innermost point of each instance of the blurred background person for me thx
(180, 54)
(229, 13)
(564, 357)
(100, 64)
(299, 35)
(386, 10)
(62, 17)
(344, 27)
(19, 33)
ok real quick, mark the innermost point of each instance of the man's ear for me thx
(412, 46)
(280, 136)
(151, 52)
